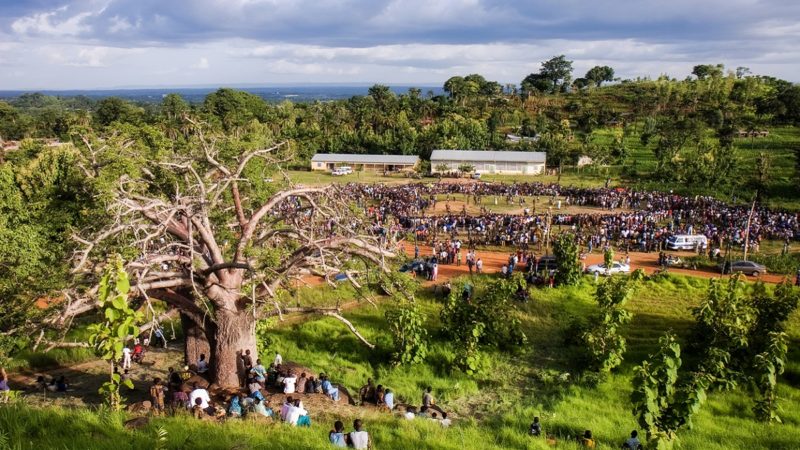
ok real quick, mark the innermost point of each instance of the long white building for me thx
(499, 162)
(378, 163)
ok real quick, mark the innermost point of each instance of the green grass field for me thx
(493, 408)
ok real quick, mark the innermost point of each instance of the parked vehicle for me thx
(616, 267)
(476, 176)
(545, 263)
(343, 170)
(686, 241)
(745, 267)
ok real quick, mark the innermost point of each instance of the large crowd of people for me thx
(629, 219)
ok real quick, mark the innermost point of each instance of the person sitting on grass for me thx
(359, 438)
(367, 392)
(380, 395)
(285, 408)
(427, 398)
(536, 427)
(198, 412)
(201, 394)
(289, 383)
(411, 413)
(445, 422)
(61, 384)
(297, 415)
(328, 388)
(272, 375)
(587, 440)
(633, 443)
(301, 383)
(235, 406)
(41, 383)
(388, 399)
(255, 389)
(313, 386)
(202, 364)
(260, 408)
(157, 392)
(423, 412)
(259, 372)
(336, 435)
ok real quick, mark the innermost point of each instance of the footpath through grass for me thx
(491, 409)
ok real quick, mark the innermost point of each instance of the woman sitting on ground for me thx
(301, 383)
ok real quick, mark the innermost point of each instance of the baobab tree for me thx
(207, 235)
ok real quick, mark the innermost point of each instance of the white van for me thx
(686, 241)
(342, 170)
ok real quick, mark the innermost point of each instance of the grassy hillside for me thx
(492, 409)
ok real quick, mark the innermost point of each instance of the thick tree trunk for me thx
(195, 341)
(235, 333)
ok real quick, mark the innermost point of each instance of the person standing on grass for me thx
(126, 357)
(359, 438)
(159, 333)
(157, 396)
(479, 266)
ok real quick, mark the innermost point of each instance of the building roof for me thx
(488, 156)
(365, 159)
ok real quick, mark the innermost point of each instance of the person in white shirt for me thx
(289, 383)
(126, 358)
(359, 438)
(295, 412)
(199, 393)
(445, 422)
(278, 359)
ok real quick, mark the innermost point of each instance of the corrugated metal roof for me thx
(489, 156)
(365, 159)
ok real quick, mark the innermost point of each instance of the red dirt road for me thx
(493, 261)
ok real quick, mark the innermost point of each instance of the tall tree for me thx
(599, 74)
(217, 243)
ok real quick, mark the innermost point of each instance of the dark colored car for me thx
(545, 263)
(745, 267)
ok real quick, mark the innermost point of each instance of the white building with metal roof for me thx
(485, 161)
(378, 163)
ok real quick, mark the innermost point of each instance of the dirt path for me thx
(494, 260)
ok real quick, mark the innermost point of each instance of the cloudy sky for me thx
(84, 44)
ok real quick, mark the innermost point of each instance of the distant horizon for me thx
(366, 84)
